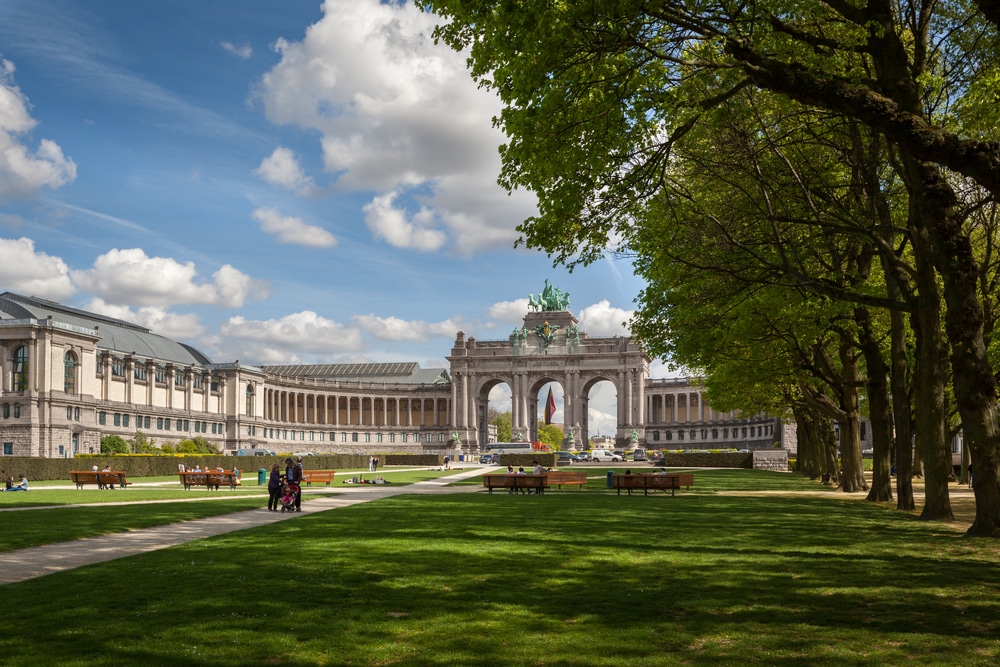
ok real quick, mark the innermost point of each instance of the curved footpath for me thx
(35, 562)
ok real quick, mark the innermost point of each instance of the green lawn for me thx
(567, 578)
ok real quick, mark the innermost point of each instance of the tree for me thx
(597, 96)
(140, 444)
(550, 434)
(504, 424)
(197, 445)
(114, 444)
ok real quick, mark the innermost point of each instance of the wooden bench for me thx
(310, 476)
(515, 483)
(560, 478)
(652, 482)
(102, 479)
(209, 479)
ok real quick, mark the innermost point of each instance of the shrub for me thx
(115, 444)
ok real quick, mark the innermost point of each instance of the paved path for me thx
(38, 561)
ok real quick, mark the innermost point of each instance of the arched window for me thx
(21, 369)
(69, 375)
(249, 400)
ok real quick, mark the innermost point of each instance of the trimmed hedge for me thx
(140, 465)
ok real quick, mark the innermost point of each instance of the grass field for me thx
(751, 568)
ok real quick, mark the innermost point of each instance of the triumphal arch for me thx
(548, 347)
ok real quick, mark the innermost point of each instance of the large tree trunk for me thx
(931, 357)
(902, 414)
(809, 461)
(879, 413)
(853, 477)
(972, 374)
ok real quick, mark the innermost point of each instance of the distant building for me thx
(70, 377)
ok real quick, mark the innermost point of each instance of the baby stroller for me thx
(288, 495)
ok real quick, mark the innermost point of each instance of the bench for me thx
(102, 479)
(515, 483)
(209, 479)
(310, 476)
(652, 482)
(560, 478)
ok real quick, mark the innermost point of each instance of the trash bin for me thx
(262, 476)
(610, 473)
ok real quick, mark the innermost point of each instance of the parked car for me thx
(565, 458)
(639, 455)
(605, 456)
(489, 459)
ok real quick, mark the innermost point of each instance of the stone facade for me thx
(69, 377)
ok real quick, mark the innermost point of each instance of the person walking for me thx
(274, 488)
(293, 475)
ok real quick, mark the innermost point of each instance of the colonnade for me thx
(340, 410)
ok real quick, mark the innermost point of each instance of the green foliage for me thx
(115, 444)
(550, 434)
(144, 445)
(503, 423)
(197, 445)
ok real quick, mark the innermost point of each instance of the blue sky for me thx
(274, 181)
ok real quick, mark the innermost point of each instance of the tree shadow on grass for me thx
(579, 579)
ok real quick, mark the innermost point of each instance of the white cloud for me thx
(395, 329)
(129, 277)
(293, 230)
(242, 51)
(282, 168)
(156, 318)
(23, 173)
(392, 225)
(398, 116)
(272, 341)
(25, 271)
(509, 311)
(601, 319)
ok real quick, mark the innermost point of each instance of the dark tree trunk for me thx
(809, 461)
(853, 476)
(972, 373)
(902, 414)
(931, 358)
(878, 409)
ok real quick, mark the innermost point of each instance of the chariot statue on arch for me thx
(550, 299)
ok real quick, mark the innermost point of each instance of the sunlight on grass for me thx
(567, 578)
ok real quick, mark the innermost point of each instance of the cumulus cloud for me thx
(155, 318)
(396, 329)
(282, 168)
(399, 116)
(27, 271)
(23, 172)
(242, 51)
(601, 319)
(270, 341)
(509, 311)
(293, 230)
(132, 278)
(392, 225)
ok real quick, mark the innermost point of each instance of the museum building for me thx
(70, 377)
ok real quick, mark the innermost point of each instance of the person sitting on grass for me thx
(21, 486)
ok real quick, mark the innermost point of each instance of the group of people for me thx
(539, 469)
(22, 485)
(372, 463)
(285, 490)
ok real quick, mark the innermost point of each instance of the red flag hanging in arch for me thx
(550, 408)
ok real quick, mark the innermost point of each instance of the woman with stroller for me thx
(274, 488)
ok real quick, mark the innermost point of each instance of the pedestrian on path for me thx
(293, 475)
(274, 488)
